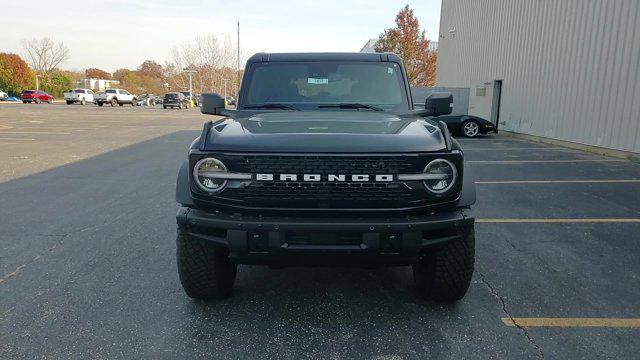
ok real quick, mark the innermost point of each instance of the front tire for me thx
(69, 102)
(205, 270)
(37, 101)
(114, 102)
(444, 272)
(82, 102)
(100, 103)
(470, 128)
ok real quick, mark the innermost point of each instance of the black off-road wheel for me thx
(100, 104)
(205, 269)
(114, 102)
(444, 272)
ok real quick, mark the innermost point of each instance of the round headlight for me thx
(443, 176)
(204, 173)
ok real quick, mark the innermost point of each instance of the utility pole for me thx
(37, 82)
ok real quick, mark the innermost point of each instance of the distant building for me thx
(369, 47)
(97, 84)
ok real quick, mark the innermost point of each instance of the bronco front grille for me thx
(326, 194)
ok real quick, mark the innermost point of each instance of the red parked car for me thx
(37, 96)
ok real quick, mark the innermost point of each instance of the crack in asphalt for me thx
(503, 303)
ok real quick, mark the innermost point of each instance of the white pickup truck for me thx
(81, 96)
(115, 97)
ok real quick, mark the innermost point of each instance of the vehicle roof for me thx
(357, 56)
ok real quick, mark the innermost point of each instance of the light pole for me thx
(37, 82)
(225, 87)
(190, 82)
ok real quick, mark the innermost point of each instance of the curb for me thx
(598, 150)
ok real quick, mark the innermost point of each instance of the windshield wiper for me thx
(271, 106)
(351, 106)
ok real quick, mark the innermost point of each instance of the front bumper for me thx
(324, 241)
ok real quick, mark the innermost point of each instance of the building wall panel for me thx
(570, 68)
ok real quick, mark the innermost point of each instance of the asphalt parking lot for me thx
(87, 263)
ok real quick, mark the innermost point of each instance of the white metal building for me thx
(566, 70)
(97, 84)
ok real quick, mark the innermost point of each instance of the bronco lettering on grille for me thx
(328, 177)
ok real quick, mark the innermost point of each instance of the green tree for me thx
(15, 74)
(57, 82)
(412, 45)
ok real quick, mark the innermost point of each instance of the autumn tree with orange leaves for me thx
(95, 73)
(15, 74)
(412, 45)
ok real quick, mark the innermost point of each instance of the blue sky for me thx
(125, 33)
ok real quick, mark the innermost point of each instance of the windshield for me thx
(309, 85)
(78, 91)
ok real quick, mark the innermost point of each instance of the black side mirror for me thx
(212, 104)
(439, 103)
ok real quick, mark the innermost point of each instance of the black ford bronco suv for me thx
(325, 162)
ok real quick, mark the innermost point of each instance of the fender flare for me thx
(468, 193)
(183, 189)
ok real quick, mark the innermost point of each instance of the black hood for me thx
(325, 132)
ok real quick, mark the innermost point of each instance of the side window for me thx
(90, 92)
(125, 92)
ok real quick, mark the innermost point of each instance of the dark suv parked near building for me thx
(175, 99)
(325, 162)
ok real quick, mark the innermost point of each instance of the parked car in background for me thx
(146, 100)
(11, 99)
(230, 100)
(3, 95)
(36, 96)
(81, 96)
(97, 95)
(196, 99)
(467, 125)
(175, 100)
(158, 99)
(116, 97)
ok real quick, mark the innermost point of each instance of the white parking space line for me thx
(515, 182)
(543, 161)
(18, 139)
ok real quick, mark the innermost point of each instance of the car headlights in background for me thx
(440, 176)
(209, 174)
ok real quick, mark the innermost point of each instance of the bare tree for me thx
(45, 54)
(211, 58)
